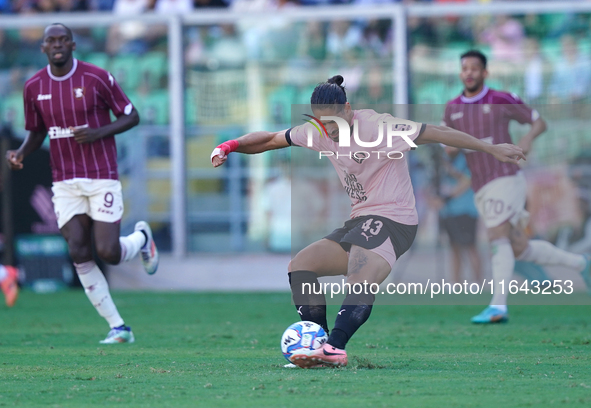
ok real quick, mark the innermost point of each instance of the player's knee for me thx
(519, 247)
(498, 232)
(298, 263)
(109, 252)
(519, 241)
(80, 250)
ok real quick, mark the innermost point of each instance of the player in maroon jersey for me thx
(71, 101)
(500, 187)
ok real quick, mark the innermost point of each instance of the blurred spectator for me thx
(376, 87)
(251, 5)
(572, 74)
(129, 37)
(6, 55)
(101, 5)
(318, 2)
(313, 42)
(457, 213)
(209, 4)
(308, 203)
(228, 50)
(505, 38)
(6, 50)
(195, 51)
(373, 2)
(46, 6)
(277, 39)
(376, 38)
(255, 5)
(342, 39)
(534, 71)
(130, 7)
(29, 51)
(71, 5)
(533, 26)
(578, 240)
(276, 202)
(421, 31)
(51, 6)
(173, 6)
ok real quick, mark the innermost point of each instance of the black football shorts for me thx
(381, 235)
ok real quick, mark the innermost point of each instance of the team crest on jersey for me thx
(79, 92)
(486, 108)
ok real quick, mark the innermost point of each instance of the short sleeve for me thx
(519, 111)
(33, 119)
(306, 135)
(114, 96)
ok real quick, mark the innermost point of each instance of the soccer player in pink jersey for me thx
(383, 220)
(500, 186)
(71, 101)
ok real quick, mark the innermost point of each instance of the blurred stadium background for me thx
(204, 71)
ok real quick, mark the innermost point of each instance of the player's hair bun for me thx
(337, 79)
(326, 94)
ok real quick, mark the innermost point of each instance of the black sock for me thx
(310, 306)
(354, 312)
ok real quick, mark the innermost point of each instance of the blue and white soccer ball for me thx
(302, 335)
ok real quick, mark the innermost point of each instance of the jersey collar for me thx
(67, 76)
(475, 98)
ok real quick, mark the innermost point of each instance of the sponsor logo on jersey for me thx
(486, 108)
(456, 116)
(56, 132)
(42, 97)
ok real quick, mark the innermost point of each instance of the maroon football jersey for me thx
(81, 98)
(486, 116)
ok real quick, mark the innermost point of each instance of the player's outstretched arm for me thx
(505, 152)
(120, 125)
(32, 142)
(251, 143)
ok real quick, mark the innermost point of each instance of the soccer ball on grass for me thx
(302, 335)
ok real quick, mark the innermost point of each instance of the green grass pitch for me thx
(222, 350)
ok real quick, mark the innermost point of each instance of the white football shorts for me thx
(102, 200)
(503, 199)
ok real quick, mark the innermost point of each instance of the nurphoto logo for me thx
(393, 128)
